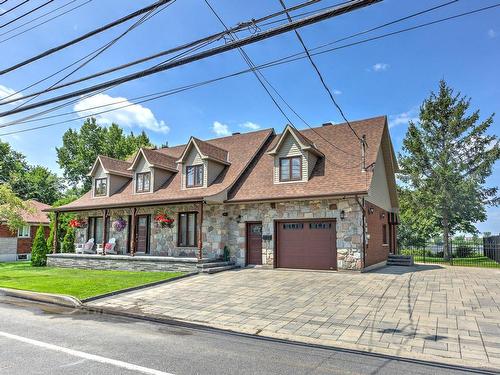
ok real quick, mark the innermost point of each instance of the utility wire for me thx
(320, 76)
(239, 27)
(85, 36)
(13, 8)
(26, 14)
(41, 23)
(260, 77)
(100, 50)
(277, 62)
(210, 52)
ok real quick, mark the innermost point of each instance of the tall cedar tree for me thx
(447, 156)
(39, 249)
(81, 147)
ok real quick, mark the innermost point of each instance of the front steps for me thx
(400, 260)
(215, 266)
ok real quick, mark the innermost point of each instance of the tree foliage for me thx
(11, 163)
(446, 157)
(39, 249)
(11, 207)
(68, 245)
(37, 183)
(81, 147)
(64, 219)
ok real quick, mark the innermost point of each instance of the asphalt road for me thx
(46, 339)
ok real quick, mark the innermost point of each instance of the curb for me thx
(56, 299)
(474, 367)
(134, 288)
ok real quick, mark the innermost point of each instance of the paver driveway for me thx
(427, 312)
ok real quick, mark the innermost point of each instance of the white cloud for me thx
(337, 92)
(6, 91)
(403, 118)
(380, 67)
(220, 129)
(250, 125)
(492, 33)
(135, 115)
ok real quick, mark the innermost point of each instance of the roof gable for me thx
(154, 159)
(111, 166)
(206, 151)
(304, 143)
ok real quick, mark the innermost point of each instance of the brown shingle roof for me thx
(160, 160)
(241, 147)
(337, 173)
(211, 151)
(115, 165)
(37, 216)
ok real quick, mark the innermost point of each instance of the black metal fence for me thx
(473, 252)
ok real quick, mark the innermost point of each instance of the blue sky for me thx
(389, 77)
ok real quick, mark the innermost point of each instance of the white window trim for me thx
(20, 232)
(107, 186)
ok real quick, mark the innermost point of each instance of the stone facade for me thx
(225, 225)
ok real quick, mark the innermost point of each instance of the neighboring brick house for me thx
(16, 245)
(299, 199)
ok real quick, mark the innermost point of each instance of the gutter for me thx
(288, 198)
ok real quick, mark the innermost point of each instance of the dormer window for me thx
(143, 182)
(291, 168)
(100, 187)
(194, 176)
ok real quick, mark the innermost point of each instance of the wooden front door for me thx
(142, 234)
(254, 243)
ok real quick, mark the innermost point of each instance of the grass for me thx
(477, 261)
(74, 282)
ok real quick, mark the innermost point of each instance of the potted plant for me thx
(164, 218)
(119, 224)
(77, 223)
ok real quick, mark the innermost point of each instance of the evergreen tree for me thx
(68, 245)
(447, 156)
(39, 249)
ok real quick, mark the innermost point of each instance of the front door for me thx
(254, 243)
(142, 233)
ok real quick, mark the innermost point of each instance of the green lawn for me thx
(74, 282)
(478, 261)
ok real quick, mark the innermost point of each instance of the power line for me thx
(260, 77)
(284, 60)
(239, 27)
(356, 4)
(26, 14)
(13, 8)
(320, 76)
(96, 53)
(43, 22)
(85, 36)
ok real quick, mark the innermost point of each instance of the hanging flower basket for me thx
(164, 219)
(119, 224)
(77, 223)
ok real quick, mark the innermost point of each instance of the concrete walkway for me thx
(449, 314)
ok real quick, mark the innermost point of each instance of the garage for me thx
(306, 244)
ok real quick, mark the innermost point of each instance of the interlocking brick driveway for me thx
(428, 312)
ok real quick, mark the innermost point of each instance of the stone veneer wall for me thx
(229, 229)
(225, 225)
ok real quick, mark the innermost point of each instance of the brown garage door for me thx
(307, 244)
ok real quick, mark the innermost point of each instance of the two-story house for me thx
(310, 199)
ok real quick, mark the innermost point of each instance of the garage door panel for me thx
(307, 244)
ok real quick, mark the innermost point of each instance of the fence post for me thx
(451, 252)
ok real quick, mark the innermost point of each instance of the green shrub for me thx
(50, 240)
(464, 251)
(68, 245)
(226, 256)
(39, 249)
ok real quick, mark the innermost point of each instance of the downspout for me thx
(363, 229)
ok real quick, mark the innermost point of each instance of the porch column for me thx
(104, 230)
(200, 231)
(132, 231)
(56, 224)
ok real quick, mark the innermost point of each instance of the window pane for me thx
(285, 169)
(147, 180)
(296, 168)
(101, 186)
(99, 227)
(191, 229)
(190, 176)
(199, 175)
(140, 182)
(182, 229)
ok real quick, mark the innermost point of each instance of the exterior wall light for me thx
(342, 215)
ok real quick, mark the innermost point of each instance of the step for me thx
(397, 256)
(215, 263)
(218, 269)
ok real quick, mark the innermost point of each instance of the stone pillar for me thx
(132, 231)
(56, 224)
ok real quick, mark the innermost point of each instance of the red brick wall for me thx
(5, 231)
(376, 251)
(24, 244)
